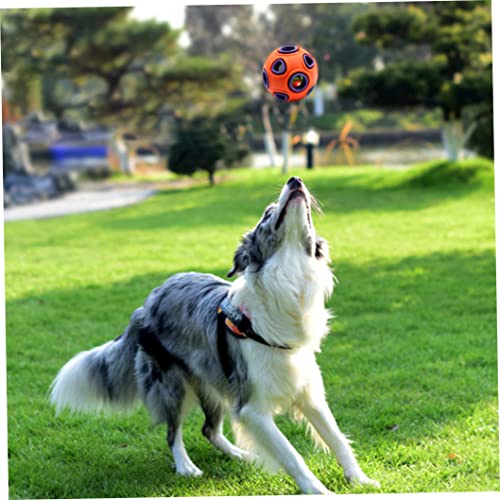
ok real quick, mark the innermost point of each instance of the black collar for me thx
(239, 325)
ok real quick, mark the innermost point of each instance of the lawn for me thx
(410, 366)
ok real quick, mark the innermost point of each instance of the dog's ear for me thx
(322, 251)
(241, 258)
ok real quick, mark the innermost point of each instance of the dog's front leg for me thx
(316, 410)
(263, 430)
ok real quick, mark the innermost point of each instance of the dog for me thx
(245, 347)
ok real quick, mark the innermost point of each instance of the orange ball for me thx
(290, 73)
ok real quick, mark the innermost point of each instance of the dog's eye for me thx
(267, 214)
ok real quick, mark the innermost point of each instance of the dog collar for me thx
(239, 325)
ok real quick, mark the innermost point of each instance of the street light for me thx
(311, 139)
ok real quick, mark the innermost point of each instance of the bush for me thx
(202, 145)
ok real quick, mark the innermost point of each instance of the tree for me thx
(248, 36)
(200, 145)
(325, 29)
(236, 30)
(451, 67)
(98, 63)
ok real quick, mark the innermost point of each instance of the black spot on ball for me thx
(265, 79)
(278, 67)
(298, 82)
(281, 96)
(308, 61)
(288, 49)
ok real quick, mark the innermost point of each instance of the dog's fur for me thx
(168, 354)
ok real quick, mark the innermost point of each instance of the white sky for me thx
(173, 14)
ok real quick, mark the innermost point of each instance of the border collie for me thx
(246, 348)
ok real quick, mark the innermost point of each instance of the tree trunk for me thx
(120, 149)
(211, 177)
(455, 138)
(269, 143)
(291, 116)
(285, 147)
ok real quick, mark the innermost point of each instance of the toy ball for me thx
(290, 73)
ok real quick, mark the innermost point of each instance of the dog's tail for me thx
(102, 379)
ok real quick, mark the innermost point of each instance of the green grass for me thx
(410, 367)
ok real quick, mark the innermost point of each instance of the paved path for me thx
(86, 199)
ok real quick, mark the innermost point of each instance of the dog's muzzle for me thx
(294, 188)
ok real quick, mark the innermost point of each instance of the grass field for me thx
(410, 366)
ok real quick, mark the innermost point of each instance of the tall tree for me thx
(451, 68)
(248, 36)
(325, 29)
(105, 65)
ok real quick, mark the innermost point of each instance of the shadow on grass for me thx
(413, 350)
(417, 337)
(240, 202)
(445, 173)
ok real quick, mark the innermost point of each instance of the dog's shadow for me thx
(391, 379)
(138, 460)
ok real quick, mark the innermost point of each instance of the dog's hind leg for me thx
(212, 428)
(175, 416)
(183, 464)
(168, 398)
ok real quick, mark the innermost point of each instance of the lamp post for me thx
(311, 139)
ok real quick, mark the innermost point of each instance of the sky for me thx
(165, 12)
(162, 12)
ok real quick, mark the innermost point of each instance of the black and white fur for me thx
(168, 355)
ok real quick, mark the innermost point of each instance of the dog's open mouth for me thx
(296, 193)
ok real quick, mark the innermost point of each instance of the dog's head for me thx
(288, 221)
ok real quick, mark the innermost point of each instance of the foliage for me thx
(410, 367)
(454, 67)
(200, 145)
(215, 30)
(456, 71)
(325, 30)
(400, 85)
(101, 63)
(481, 117)
(247, 37)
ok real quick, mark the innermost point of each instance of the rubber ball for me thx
(290, 73)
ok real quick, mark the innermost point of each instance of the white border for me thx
(6, 4)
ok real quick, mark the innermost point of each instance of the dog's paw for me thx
(371, 482)
(320, 491)
(316, 488)
(361, 479)
(188, 469)
(243, 455)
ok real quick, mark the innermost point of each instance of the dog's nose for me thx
(294, 183)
